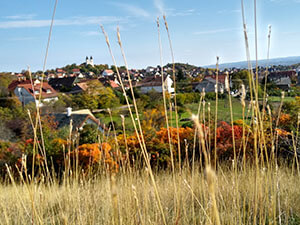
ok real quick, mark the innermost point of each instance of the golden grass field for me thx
(273, 195)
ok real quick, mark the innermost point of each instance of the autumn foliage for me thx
(94, 154)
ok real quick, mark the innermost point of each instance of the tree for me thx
(180, 75)
(240, 78)
(153, 119)
(84, 100)
(113, 68)
(96, 96)
(5, 80)
(107, 98)
(88, 135)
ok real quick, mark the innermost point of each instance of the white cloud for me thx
(159, 4)
(216, 31)
(20, 17)
(132, 9)
(91, 33)
(59, 22)
(174, 12)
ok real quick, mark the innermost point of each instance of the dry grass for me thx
(91, 201)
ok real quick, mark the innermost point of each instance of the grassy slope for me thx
(89, 202)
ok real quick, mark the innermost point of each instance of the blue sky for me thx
(200, 30)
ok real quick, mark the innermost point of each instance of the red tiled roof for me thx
(60, 71)
(113, 84)
(76, 70)
(108, 71)
(221, 78)
(15, 83)
(83, 85)
(151, 81)
(36, 87)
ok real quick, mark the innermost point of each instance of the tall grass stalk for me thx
(139, 135)
(227, 87)
(166, 114)
(216, 112)
(175, 97)
(267, 73)
(126, 144)
(38, 117)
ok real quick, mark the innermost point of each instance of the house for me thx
(15, 83)
(51, 75)
(60, 73)
(283, 83)
(279, 74)
(20, 76)
(151, 83)
(79, 87)
(107, 73)
(29, 92)
(63, 84)
(76, 71)
(113, 84)
(110, 81)
(282, 79)
(150, 69)
(79, 119)
(208, 84)
(82, 86)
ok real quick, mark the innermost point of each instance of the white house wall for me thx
(24, 95)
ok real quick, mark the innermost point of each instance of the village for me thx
(189, 79)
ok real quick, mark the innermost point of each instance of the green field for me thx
(189, 109)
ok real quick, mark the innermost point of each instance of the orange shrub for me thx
(184, 133)
(91, 154)
(284, 118)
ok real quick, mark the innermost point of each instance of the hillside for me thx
(286, 61)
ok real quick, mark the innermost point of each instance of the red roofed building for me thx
(221, 78)
(107, 73)
(76, 71)
(15, 83)
(60, 71)
(113, 84)
(27, 92)
(154, 83)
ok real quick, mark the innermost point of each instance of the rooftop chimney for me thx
(69, 111)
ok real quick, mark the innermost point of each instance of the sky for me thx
(200, 30)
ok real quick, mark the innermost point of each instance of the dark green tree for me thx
(180, 75)
(88, 135)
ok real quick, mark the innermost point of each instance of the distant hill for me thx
(183, 66)
(287, 61)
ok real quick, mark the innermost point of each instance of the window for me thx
(49, 91)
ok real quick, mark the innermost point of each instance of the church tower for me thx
(91, 61)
